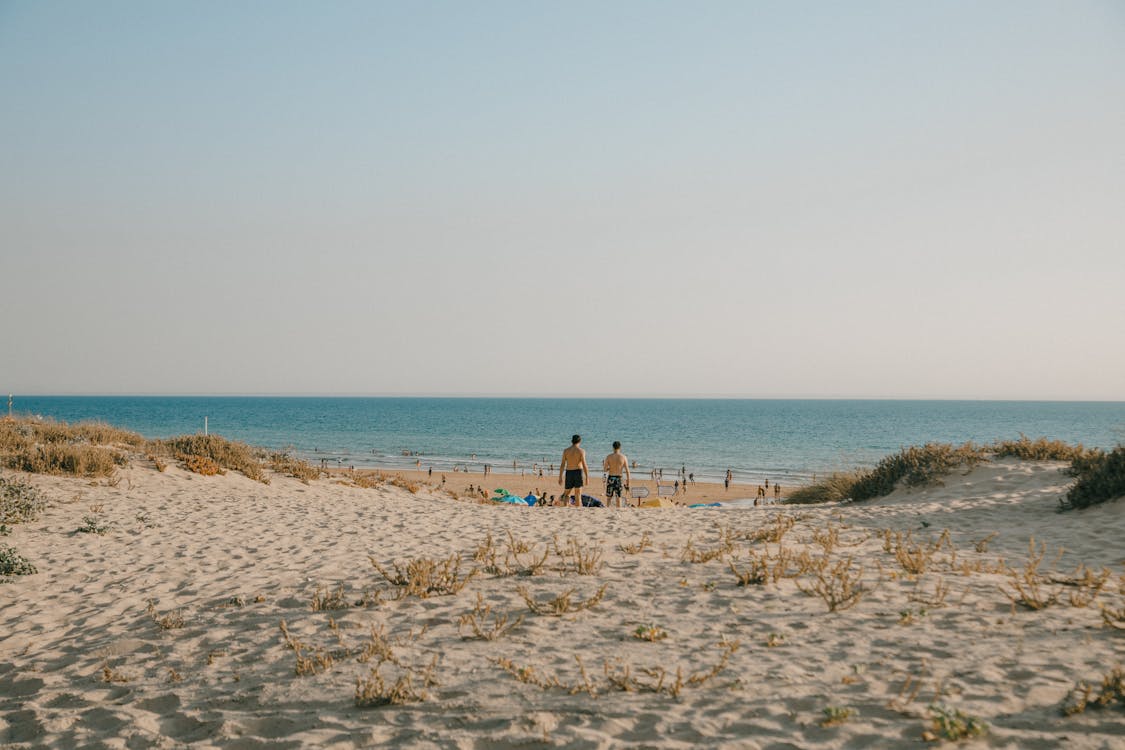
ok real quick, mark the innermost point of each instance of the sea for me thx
(782, 440)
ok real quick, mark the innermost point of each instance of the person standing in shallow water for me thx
(574, 471)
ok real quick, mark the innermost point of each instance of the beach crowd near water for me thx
(622, 481)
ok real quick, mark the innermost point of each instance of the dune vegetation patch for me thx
(1101, 478)
(926, 465)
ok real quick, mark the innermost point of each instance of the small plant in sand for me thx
(836, 715)
(774, 533)
(484, 624)
(528, 675)
(914, 558)
(562, 604)
(950, 724)
(838, 586)
(311, 661)
(1082, 696)
(19, 502)
(981, 545)
(773, 640)
(424, 577)
(1027, 587)
(640, 546)
(373, 691)
(157, 463)
(1113, 618)
(13, 563)
(1085, 585)
(910, 616)
(111, 675)
(650, 633)
(324, 599)
(585, 560)
(658, 679)
(170, 621)
(693, 554)
(92, 525)
(934, 599)
(757, 574)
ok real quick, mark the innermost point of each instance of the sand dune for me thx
(164, 630)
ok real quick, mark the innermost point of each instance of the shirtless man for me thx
(614, 465)
(573, 468)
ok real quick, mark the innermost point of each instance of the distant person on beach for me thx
(776, 491)
(574, 471)
(761, 492)
(691, 477)
(431, 472)
(726, 481)
(616, 465)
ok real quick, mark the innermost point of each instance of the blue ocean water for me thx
(755, 438)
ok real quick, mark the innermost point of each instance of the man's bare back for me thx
(574, 470)
(573, 458)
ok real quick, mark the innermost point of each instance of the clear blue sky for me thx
(875, 199)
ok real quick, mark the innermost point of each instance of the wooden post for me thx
(205, 425)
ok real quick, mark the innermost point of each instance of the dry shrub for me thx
(202, 465)
(368, 480)
(933, 599)
(324, 600)
(635, 549)
(775, 532)
(756, 575)
(561, 604)
(1027, 586)
(1040, 449)
(1114, 618)
(424, 577)
(228, 454)
(170, 621)
(482, 623)
(836, 487)
(582, 559)
(837, 585)
(290, 466)
(1086, 585)
(48, 447)
(374, 691)
(981, 545)
(1082, 696)
(658, 679)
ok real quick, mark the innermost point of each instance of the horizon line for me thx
(561, 396)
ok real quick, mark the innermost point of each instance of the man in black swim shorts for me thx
(573, 468)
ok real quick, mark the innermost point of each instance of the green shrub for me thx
(19, 502)
(14, 564)
(1101, 477)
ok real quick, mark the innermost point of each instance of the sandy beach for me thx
(218, 611)
(460, 482)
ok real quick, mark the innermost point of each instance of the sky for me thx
(783, 199)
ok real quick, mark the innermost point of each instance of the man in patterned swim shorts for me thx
(615, 465)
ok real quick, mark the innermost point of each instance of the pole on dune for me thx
(205, 425)
(9, 406)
